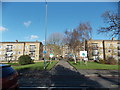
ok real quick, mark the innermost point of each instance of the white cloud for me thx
(3, 28)
(27, 24)
(33, 37)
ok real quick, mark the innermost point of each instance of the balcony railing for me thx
(32, 49)
(95, 47)
(95, 54)
(8, 49)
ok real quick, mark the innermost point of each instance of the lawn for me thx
(35, 66)
(93, 65)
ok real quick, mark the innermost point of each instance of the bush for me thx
(25, 59)
(71, 59)
(101, 61)
(111, 60)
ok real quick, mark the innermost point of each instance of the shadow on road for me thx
(61, 76)
(64, 77)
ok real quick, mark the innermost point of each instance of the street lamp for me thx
(45, 33)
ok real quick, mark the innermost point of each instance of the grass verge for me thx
(93, 65)
(35, 66)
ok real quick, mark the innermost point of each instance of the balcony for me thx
(32, 50)
(95, 47)
(8, 49)
(95, 53)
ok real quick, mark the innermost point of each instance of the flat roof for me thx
(22, 42)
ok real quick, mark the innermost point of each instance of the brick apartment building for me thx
(13, 50)
(102, 49)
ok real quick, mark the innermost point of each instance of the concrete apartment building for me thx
(103, 49)
(13, 50)
(66, 51)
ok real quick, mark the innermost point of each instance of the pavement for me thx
(109, 73)
(63, 74)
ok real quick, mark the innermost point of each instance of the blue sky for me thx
(25, 21)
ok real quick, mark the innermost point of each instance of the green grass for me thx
(35, 66)
(93, 65)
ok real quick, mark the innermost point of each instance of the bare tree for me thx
(55, 38)
(54, 43)
(112, 27)
(76, 38)
(85, 31)
(72, 40)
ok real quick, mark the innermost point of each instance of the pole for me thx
(45, 33)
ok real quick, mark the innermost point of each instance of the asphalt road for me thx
(64, 75)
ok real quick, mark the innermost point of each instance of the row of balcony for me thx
(10, 50)
(96, 47)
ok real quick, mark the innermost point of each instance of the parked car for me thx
(9, 77)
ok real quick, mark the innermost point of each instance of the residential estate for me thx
(102, 49)
(13, 50)
(97, 49)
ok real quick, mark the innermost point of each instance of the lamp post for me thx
(45, 32)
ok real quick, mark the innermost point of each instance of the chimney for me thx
(113, 38)
(36, 40)
(16, 40)
(90, 39)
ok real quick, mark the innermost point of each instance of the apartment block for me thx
(13, 50)
(102, 49)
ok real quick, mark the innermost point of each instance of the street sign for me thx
(44, 52)
(51, 55)
(83, 53)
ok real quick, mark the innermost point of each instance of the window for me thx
(95, 52)
(101, 50)
(18, 52)
(115, 50)
(14, 46)
(19, 46)
(108, 44)
(119, 53)
(0, 47)
(26, 47)
(32, 48)
(118, 46)
(0, 52)
(114, 45)
(101, 45)
(109, 50)
(14, 52)
(9, 48)
(94, 45)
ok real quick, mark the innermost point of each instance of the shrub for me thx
(71, 59)
(25, 59)
(111, 60)
(102, 61)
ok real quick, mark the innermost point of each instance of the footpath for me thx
(104, 73)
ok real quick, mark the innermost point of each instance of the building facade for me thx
(103, 49)
(13, 50)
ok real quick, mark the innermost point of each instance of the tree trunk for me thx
(75, 58)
